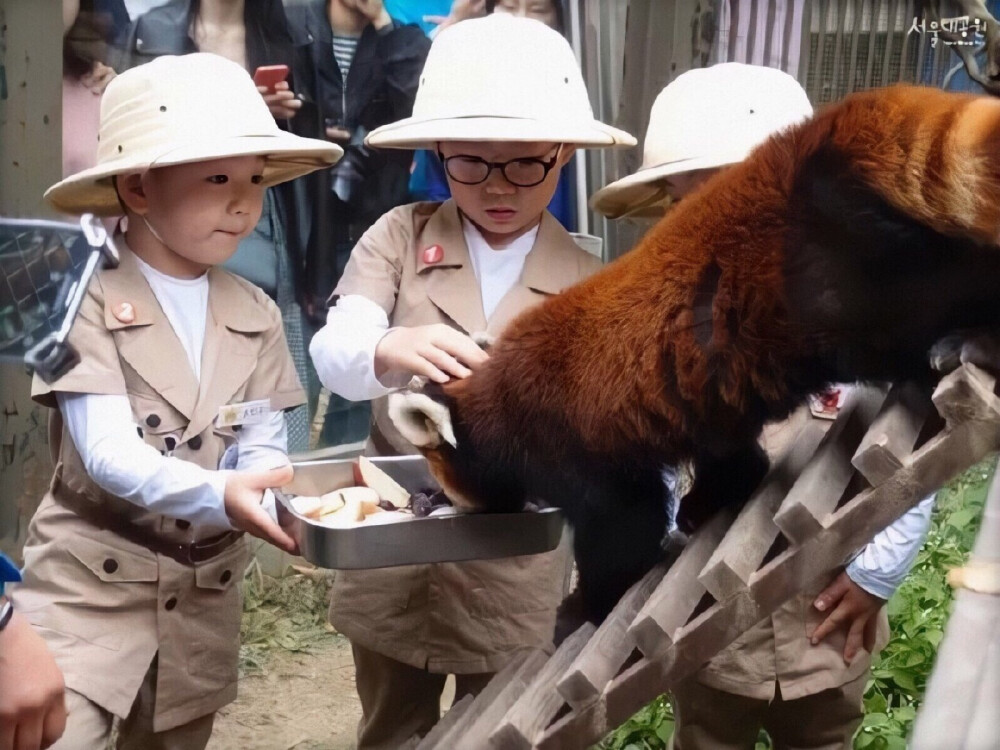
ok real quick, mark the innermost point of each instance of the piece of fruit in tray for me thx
(388, 489)
(341, 507)
(378, 497)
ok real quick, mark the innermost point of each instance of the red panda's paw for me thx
(570, 616)
(721, 480)
(946, 354)
(980, 348)
(695, 510)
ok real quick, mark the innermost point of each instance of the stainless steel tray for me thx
(469, 536)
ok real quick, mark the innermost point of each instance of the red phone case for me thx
(270, 75)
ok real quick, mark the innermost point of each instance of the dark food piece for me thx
(425, 500)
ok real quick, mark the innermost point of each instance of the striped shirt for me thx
(344, 48)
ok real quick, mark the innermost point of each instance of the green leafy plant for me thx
(287, 613)
(649, 729)
(918, 614)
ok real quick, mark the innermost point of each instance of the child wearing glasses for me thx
(502, 101)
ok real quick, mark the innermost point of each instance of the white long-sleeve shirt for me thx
(343, 351)
(105, 433)
(881, 565)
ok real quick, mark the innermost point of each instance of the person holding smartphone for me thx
(367, 67)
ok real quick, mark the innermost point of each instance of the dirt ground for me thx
(304, 701)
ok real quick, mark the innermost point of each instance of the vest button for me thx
(226, 576)
(195, 443)
(153, 420)
(170, 603)
(110, 566)
(182, 524)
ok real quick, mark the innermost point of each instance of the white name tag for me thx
(249, 412)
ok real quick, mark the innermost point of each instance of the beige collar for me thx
(148, 344)
(552, 265)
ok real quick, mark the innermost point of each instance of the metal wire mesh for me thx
(39, 261)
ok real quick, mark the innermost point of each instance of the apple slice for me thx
(365, 496)
(307, 505)
(345, 518)
(387, 488)
(354, 508)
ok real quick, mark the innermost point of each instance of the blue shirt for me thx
(8, 571)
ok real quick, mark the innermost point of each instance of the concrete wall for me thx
(31, 111)
(30, 161)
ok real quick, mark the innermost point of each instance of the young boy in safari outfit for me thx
(502, 101)
(135, 555)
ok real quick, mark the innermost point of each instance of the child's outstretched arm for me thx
(106, 436)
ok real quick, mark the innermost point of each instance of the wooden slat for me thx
(602, 658)
(753, 532)
(537, 706)
(823, 481)
(892, 435)
(848, 528)
(515, 676)
(673, 601)
(492, 709)
(453, 716)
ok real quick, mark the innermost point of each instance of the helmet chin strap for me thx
(153, 232)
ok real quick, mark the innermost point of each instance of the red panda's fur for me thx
(746, 297)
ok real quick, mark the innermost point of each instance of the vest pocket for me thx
(106, 587)
(114, 565)
(216, 604)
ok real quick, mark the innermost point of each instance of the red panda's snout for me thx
(427, 424)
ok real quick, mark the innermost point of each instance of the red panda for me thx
(839, 250)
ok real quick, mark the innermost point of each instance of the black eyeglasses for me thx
(471, 170)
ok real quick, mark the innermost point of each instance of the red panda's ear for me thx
(421, 420)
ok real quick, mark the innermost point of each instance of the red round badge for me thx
(433, 254)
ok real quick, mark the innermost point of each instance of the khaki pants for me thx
(88, 726)
(710, 719)
(399, 701)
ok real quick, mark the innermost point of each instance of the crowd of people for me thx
(344, 286)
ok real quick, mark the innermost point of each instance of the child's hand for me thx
(244, 490)
(854, 610)
(31, 710)
(374, 11)
(460, 11)
(437, 351)
(98, 78)
(282, 101)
